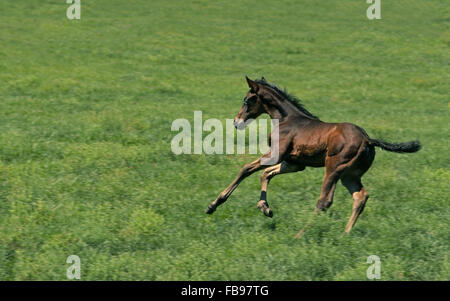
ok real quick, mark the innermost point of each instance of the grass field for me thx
(86, 166)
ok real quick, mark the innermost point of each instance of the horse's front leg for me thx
(247, 170)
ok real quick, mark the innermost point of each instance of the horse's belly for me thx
(315, 160)
(309, 149)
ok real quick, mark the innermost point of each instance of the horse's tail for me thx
(406, 147)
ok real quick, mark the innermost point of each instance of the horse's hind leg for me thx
(326, 197)
(352, 181)
(360, 196)
(327, 192)
(333, 171)
(266, 176)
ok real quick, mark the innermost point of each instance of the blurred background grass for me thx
(86, 166)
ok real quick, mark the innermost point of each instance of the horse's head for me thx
(252, 106)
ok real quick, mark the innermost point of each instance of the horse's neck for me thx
(276, 112)
(282, 108)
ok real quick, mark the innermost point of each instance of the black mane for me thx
(291, 98)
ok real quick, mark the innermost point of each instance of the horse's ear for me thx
(252, 85)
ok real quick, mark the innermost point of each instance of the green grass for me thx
(86, 166)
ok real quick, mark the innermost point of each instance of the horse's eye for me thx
(248, 101)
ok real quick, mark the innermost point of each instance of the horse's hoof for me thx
(263, 206)
(268, 212)
(210, 210)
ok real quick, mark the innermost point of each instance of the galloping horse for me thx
(344, 149)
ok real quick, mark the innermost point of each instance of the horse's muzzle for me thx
(239, 124)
